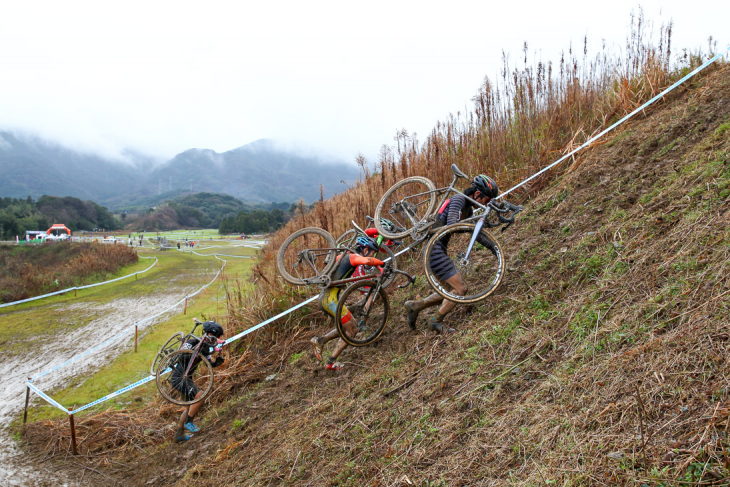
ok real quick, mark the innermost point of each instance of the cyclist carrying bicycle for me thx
(456, 208)
(345, 267)
(186, 386)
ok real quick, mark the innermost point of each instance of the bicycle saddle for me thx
(458, 172)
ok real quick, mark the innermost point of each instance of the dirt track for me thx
(109, 319)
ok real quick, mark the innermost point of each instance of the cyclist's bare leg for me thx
(415, 307)
(341, 344)
(458, 287)
(188, 412)
(329, 336)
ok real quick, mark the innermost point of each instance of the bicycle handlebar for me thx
(505, 207)
(388, 269)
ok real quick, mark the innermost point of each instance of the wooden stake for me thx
(135, 337)
(27, 396)
(185, 310)
(73, 433)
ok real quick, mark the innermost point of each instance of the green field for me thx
(181, 268)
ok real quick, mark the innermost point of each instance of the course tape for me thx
(642, 107)
(127, 330)
(116, 393)
(152, 377)
(13, 303)
(48, 399)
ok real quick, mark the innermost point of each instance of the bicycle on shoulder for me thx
(386, 247)
(308, 257)
(411, 204)
(184, 371)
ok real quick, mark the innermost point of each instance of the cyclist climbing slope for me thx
(344, 268)
(187, 387)
(482, 190)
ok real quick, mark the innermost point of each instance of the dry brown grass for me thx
(31, 271)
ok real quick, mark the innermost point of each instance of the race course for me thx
(41, 335)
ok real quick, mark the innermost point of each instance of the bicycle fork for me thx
(477, 228)
(369, 300)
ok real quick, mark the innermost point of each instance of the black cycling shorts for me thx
(441, 265)
(186, 387)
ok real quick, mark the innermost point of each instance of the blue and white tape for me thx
(116, 393)
(80, 287)
(127, 330)
(46, 397)
(641, 108)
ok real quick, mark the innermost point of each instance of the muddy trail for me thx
(99, 323)
(601, 360)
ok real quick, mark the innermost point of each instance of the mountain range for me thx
(257, 172)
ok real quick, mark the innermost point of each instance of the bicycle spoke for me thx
(407, 203)
(305, 256)
(369, 310)
(481, 272)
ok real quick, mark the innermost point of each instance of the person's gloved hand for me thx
(218, 361)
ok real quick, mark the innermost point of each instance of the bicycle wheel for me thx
(347, 239)
(178, 387)
(173, 343)
(368, 311)
(482, 273)
(307, 253)
(406, 203)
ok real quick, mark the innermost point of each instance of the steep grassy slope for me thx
(602, 359)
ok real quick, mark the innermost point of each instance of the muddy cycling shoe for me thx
(190, 426)
(441, 328)
(334, 366)
(178, 439)
(317, 347)
(412, 314)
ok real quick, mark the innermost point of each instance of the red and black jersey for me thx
(347, 264)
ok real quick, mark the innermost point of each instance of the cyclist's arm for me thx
(356, 260)
(456, 204)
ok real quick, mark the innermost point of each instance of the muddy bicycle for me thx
(308, 257)
(181, 371)
(412, 205)
(386, 247)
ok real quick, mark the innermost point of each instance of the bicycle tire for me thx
(287, 258)
(201, 377)
(481, 262)
(400, 191)
(355, 298)
(173, 343)
(347, 239)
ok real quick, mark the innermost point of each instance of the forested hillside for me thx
(19, 215)
(211, 210)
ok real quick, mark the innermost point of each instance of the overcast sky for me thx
(162, 77)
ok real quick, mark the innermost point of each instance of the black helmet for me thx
(213, 328)
(486, 186)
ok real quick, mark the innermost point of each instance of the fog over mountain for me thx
(262, 171)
